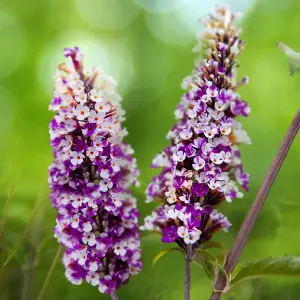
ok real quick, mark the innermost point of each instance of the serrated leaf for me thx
(163, 253)
(293, 57)
(271, 266)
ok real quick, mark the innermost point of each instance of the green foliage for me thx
(271, 266)
(32, 40)
(163, 253)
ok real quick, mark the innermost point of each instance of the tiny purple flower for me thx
(90, 179)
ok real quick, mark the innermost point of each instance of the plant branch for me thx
(50, 273)
(187, 279)
(114, 295)
(3, 221)
(257, 205)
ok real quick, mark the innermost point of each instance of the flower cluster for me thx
(90, 178)
(202, 166)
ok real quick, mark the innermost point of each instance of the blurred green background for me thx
(146, 45)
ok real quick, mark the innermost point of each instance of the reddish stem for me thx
(257, 205)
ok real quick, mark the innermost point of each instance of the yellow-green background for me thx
(146, 45)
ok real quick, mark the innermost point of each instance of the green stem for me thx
(50, 273)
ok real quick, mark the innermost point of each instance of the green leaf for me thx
(213, 244)
(293, 57)
(210, 264)
(202, 257)
(271, 266)
(163, 253)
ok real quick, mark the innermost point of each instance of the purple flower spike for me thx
(202, 166)
(90, 177)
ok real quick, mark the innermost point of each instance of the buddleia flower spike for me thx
(90, 178)
(201, 167)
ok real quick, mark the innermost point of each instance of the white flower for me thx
(172, 213)
(186, 134)
(216, 158)
(217, 115)
(72, 279)
(119, 249)
(200, 127)
(102, 107)
(70, 125)
(93, 266)
(192, 114)
(77, 200)
(66, 143)
(76, 158)
(78, 87)
(148, 223)
(161, 160)
(202, 178)
(92, 278)
(171, 197)
(81, 112)
(96, 96)
(96, 117)
(116, 200)
(116, 165)
(183, 216)
(75, 221)
(179, 156)
(220, 106)
(92, 153)
(97, 143)
(213, 184)
(199, 163)
(193, 237)
(240, 134)
(104, 173)
(184, 199)
(89, 238)
(206, 98)
(82, 257)
(212, 91)
(225, 128)
(87, 226)
(210, 132)
(105, 184)
(102, 286)
(182, 232)
(81, 98)
(226, 156)
(204, 118)
(92, 204)
(187, 184)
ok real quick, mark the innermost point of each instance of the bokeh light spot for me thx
(113, 56)
(178, 26)
(13, 44)
(108, 14)
(6, 110)
(160, 6)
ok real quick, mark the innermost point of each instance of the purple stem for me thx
(187, 280)
(257, 205)
(114, 295)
